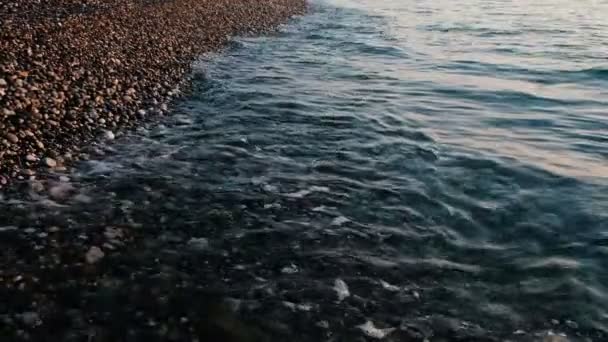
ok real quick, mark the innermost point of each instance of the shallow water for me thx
(438, 167)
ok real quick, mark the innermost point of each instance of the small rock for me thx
(113, 233)
(61, 191)
(31, 158)
(94, 255)
(50, 162)
(141, 113)
(12, 138)
(108, 135)
(31, 319)
(322, 324)
(198, 244)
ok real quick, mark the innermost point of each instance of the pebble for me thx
(31, 158)
(61, 191)
(31, 319)
(50, 162)
(198, 244)
(12, 138)
(108, 135)
(113, 233)
(94, 255)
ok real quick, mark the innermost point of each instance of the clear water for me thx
(446, 161)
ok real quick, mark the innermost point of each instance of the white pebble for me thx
(108, 135)
(50, 162)
(389, 287)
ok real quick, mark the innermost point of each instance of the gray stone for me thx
(94, 255)
(31, 319)
(108, 135)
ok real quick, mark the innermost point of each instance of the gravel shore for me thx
(72, 71)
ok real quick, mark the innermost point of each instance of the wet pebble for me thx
(50, 162)
(94, 255)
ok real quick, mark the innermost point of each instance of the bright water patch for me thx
(400, 170)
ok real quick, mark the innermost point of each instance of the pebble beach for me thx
(72, 71)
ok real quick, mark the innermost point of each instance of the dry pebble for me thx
(72, 71)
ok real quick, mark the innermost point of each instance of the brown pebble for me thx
(50, 162)
(12, 138)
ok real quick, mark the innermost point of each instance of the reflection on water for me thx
(536, 70)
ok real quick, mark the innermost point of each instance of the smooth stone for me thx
(31, 158)
(31, 319)
(94, 255)
(12, 138)
(108, 135)
(50, 162)
(198, 244)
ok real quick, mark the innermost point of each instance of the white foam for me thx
(389, 287)
(290, 269)
(306, 192)
(294, 306)
(340, 220)
(370, 330)
(7, 229)
(341, 289)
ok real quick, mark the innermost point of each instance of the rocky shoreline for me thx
(72, 71)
